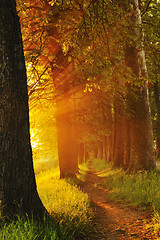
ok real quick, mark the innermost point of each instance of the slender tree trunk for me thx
(109, 148)
(141, 137)
(95, 152)
(114, 126)
(119, 135)
(86, 154)
(157, 124)
(109, 138)
(119, 145)
(126, 160)
(100, 150)
(18, 192)
(81, 153)
(105, 148)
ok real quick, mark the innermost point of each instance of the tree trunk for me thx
(108, 150)
(119, 134)
(95, 151)
(86, 153)
(100, 150)
(141, 137)
(108, 140)
(105, 148)
(157, 123)
(66, 139)
(18, 192)
(113, 137)
(119, 144)
(127, 148)
(81, 153)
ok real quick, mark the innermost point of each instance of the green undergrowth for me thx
(83, 170)
(25, 228)
(69, 207)
(142, 188)
(64, 200)
(99, 164)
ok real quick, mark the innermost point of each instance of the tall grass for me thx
(67, 205)
(65, 202)
(25, 228)
(142, 188)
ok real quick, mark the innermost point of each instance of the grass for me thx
(24, 228)
(142, 188)
(138, 189)
(99, 164)
(67, 204)
(70, 207)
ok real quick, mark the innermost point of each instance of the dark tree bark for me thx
(141, 137)
(118, 156)
(119, 144)
(157, 123)
(17, 181)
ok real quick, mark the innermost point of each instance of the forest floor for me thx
(115, 220)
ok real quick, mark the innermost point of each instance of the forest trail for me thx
(114, 220)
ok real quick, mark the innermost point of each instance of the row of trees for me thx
(87, 57)
(89, 50)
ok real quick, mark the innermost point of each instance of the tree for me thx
(18, 192)
(66, 138)
(151, 22)
(52, 59)
(141, 152)
(105, 40)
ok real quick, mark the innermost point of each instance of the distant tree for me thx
(18, 193)
(67, 137)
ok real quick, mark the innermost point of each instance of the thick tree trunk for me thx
(18, 192)
(66, 139)
(141, 137)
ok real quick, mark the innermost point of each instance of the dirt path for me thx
(113, 220)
